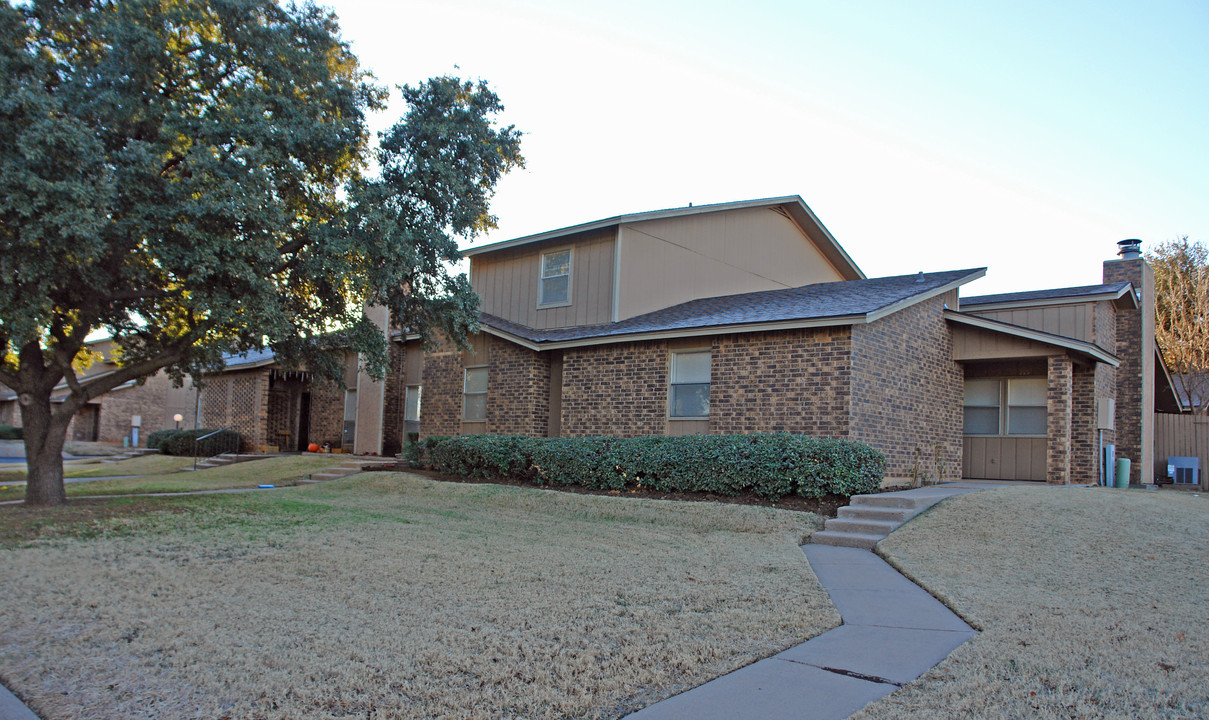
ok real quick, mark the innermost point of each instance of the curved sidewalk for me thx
(892, 632)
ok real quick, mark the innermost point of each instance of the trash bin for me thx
(1122, 472)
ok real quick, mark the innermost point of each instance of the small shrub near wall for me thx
(156, 440)
(772, 465)
(182, 443)
(8, 432)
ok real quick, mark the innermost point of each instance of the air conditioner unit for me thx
(1184, 470)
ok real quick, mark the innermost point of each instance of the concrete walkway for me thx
(892, 632)
(13, 709)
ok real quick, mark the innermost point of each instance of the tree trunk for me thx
(45, 433)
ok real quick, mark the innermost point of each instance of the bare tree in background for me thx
(1181, 274)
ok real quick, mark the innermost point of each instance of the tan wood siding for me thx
(1075, 320)
(1003, 458)
(507, 282)
(666, 262)
(687, 427)
(971, 343)
(1183, 436)
(413, 359)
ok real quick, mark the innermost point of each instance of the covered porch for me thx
(1037, 406)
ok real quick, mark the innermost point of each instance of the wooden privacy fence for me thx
(1184, 435)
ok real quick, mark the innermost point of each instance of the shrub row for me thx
(180, 442)
(8, 432)
(771, 465)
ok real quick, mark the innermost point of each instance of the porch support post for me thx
(1059, 376)
(371, 395)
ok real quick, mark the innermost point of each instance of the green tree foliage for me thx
(1181, 328)
(190, 177)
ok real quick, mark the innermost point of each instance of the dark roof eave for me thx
(502, 328)
(1037, 298)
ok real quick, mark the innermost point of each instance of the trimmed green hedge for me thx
(8, 432)
(156, 440)
(181, 443)
(771, 465)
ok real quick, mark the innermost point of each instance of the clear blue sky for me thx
(1027, 137)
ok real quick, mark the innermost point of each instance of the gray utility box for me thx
(1184, 470)
(1108, 468)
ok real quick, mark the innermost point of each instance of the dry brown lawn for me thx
(388, 595)
(279, 471)
(1092, 604)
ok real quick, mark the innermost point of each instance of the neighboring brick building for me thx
(128, 413)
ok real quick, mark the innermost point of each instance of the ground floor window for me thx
(411, 404)
(474, 395)
(1005, 406)
(690, 378)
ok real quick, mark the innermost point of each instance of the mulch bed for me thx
(825, 506)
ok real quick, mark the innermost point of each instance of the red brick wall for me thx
(1060, 387)
(441, 405)
(907, 391)
(1132, 395)
(518, 390)
(792, 380)
(149, 401)
(327, 414)
(616, 390)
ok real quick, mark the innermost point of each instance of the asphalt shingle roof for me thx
(1051, 294)
(819, 301)
(250, 357)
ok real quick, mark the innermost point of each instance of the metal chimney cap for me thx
(1129, 249)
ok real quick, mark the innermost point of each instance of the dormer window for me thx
(555, 281)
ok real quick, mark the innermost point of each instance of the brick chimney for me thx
(1135, 347)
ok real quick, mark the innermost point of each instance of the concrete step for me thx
(869, 527)
(875, 512)
(864, 541)
(893, 500)
(348, 467)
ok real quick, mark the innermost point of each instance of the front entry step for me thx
(346, 468)
(868, 519)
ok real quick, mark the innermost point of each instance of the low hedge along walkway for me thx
(770, 465)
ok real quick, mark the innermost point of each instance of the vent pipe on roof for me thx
(1129, 249)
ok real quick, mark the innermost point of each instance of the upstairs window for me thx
(555, 279)
(474, 397)
(690, 384)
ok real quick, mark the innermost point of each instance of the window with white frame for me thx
(411, 403)
(474, 397)
(1006, 406)
(690, 376)
(1026, 406)
(555, 278)
(982, 403)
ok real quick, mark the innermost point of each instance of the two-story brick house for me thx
(749, 316)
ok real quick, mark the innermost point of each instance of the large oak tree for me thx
(195, 177)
